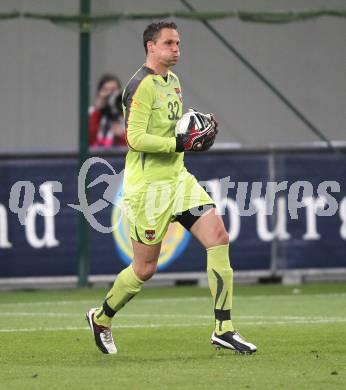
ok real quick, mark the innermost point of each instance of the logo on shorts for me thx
(173, 244)
(150, 235)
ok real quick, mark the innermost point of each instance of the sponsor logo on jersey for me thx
(178, 92)
(135, 103)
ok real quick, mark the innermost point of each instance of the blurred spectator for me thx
(106, 121)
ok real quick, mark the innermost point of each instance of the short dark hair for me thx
(152, 31)
(105, 78)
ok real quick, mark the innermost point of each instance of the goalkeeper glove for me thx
(195, 131)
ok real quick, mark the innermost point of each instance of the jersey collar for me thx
(149, 70)
(158, 77)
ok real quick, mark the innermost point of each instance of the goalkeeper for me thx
(158, 189)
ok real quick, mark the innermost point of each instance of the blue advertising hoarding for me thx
(38, 222)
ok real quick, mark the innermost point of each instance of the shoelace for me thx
(108, 335)
(240, 336)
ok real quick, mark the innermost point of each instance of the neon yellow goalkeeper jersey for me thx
(151, 107)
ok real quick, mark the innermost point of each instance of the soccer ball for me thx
(192, 121)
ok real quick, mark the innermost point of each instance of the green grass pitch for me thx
(163, 340)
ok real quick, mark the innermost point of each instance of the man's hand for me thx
(196, 135)
(210, 141)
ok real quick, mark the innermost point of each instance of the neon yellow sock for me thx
(220, 279)
(125, 287)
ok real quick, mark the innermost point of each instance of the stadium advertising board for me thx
(302, 209)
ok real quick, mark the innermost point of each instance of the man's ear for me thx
(150, 45)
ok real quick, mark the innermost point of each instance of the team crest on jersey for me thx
(150, 235)
(178, 92)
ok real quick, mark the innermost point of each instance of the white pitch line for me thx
(192, 316)
(175, 300)
(149, 326)
(82, 302)
(293, 295)
(303, 322)
(146, 326)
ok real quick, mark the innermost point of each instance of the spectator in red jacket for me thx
(106, 121)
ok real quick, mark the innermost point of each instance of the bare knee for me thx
(210, 230)
(144, 270)
(145, 259)
(220, 237)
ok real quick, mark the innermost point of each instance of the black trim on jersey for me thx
(187, 218)
(131, 89)
(133, 84)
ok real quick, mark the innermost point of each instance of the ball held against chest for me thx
(192, 121)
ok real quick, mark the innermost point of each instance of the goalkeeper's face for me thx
(165, 51)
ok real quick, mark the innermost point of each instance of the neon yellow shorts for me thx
(151, 211)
